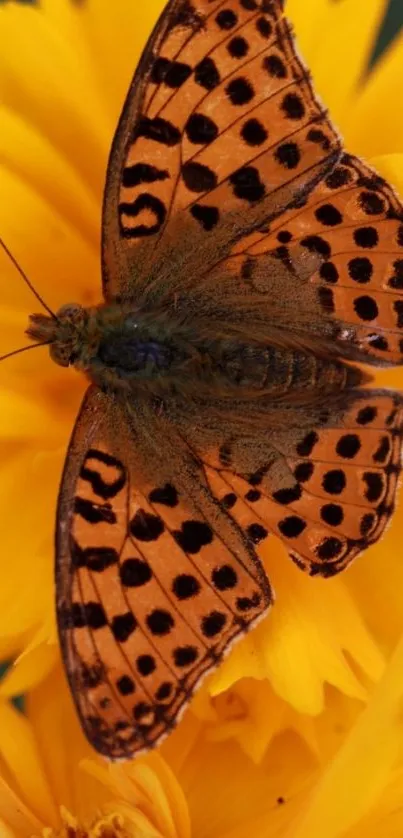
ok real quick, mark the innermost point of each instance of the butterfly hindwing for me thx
(149, 595)
(221, 130)
(326, 489)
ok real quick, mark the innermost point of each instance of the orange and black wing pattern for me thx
(341, 254)
(149, 594)
(327, 490)
(220, 131)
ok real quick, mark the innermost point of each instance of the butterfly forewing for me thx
(220, 130)
(149, 594)
(352, 223)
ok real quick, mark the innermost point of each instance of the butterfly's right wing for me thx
(220, 131)
(328, 272)
(321, 476)
(154, 580)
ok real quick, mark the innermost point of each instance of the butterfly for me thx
(247, 261)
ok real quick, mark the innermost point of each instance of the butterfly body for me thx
(135, 353)
(247, 261)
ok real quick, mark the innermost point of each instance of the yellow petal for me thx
(16, 820)
(27, 538)
(34, 159)
(303, 641)
(375, 125)
(30, 668)
(21, 417)
(336, 40)
(363, 765)
(17, 739)
(390, 166)
(106, 32)
(32, 40)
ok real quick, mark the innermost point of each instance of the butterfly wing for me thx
(329, 269)
(322, 479)
(152, 586)
(220, 131)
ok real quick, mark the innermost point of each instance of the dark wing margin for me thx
(111, 252)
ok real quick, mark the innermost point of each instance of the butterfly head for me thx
(64, 332)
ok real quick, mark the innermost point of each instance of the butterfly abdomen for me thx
(278, 370)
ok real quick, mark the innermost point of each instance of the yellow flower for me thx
(265, 718)
(52, 785)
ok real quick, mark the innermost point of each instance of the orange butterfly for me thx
(246, 261)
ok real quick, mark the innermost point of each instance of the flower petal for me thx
(36, 161)
(106, 33)
(16, 820)
(337, 40)
(38, 55)
(27, 542)
(303, 642)
(17, 739)
(23, 418)
(70, 268)
(352, 783)
(29, 669)
(375, 124)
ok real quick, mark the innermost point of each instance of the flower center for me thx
(110, 826)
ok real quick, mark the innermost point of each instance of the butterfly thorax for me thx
(121, 348)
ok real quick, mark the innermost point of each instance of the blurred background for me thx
(392, 25)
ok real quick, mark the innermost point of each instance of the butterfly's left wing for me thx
(154, 579)
(220, 131)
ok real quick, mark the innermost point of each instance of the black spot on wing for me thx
(200, 129)
(239, 91)
(94, 513)
(134, 573)
(213, 623)
(198, 178)
(146, 527)
(275, 66)
(158, 129)
(185, 656)
(247, 185)
(146, 201)
(142, 173)
(171, 73)
(106, 489)
(208, 217)
(166, 495)
(160, 622)
(206, 74)
(123, 625)
(185, 586)
(94, 558)
(193, 536)
(288, 155)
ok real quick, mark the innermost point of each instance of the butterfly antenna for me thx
(27, 282)
(24, 349)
